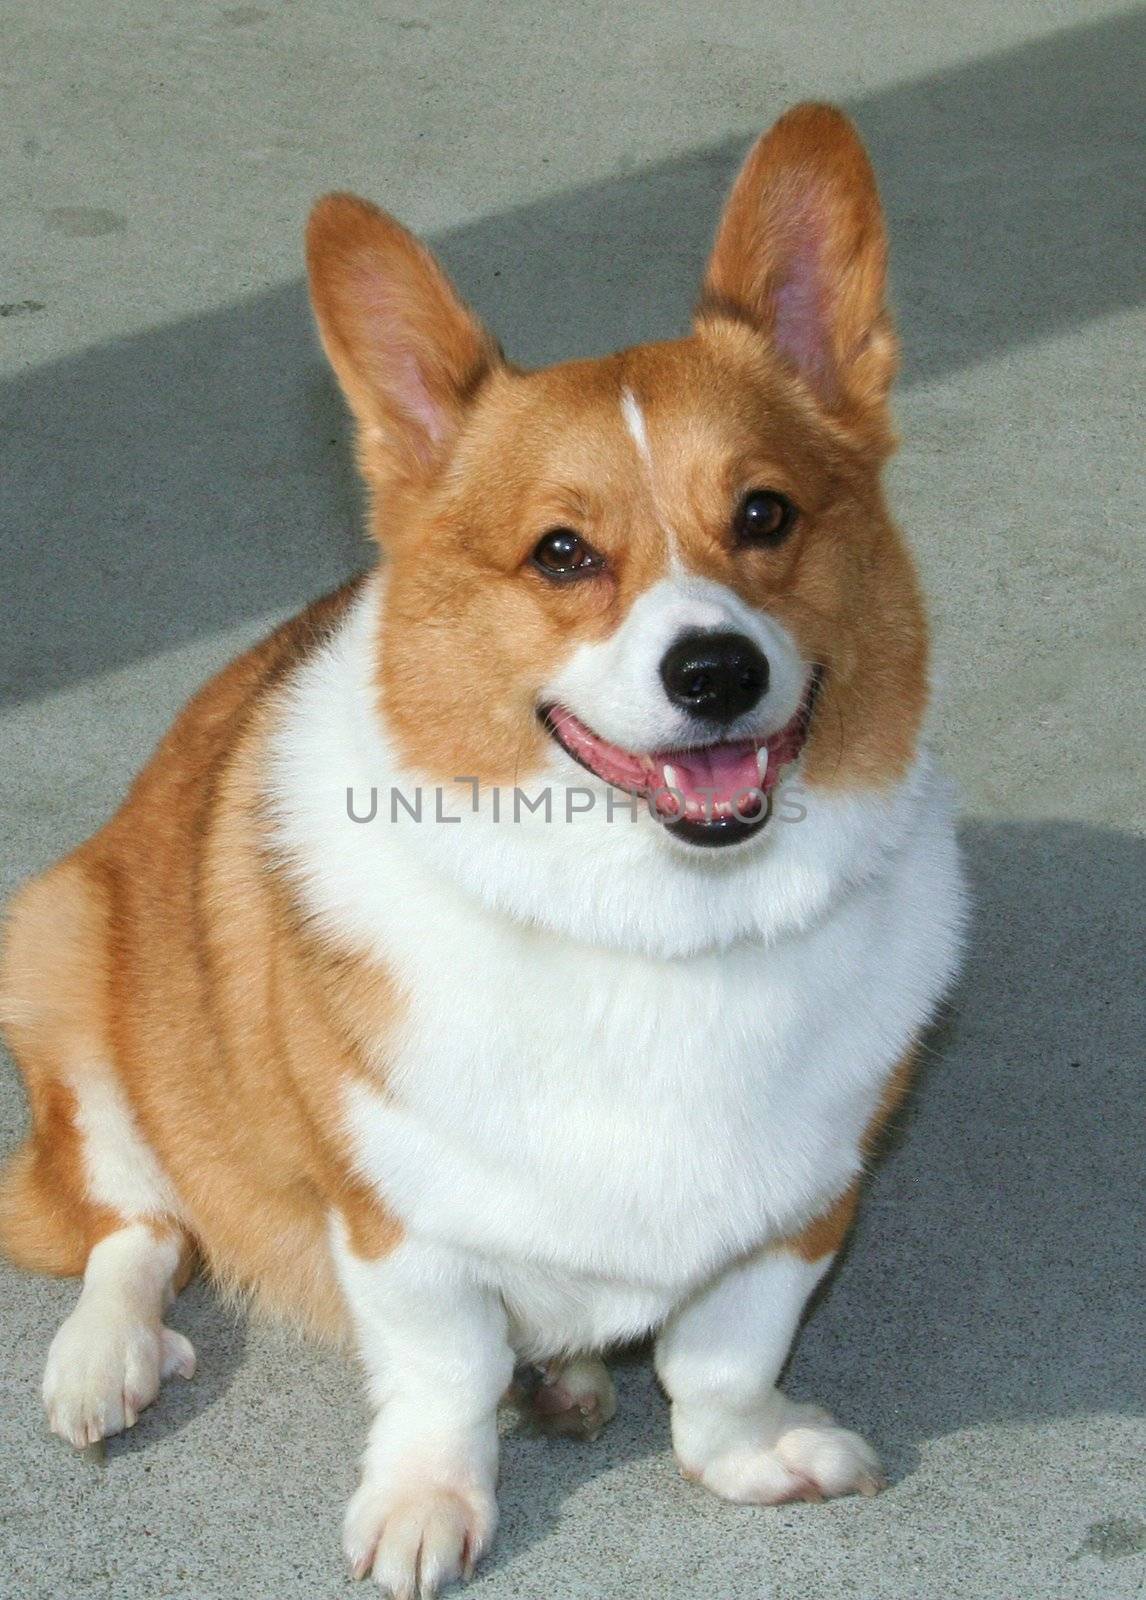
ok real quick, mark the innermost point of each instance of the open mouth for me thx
(712, 794)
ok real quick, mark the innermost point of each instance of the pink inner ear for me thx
(417, 402)
(390, 319)
(799, 329)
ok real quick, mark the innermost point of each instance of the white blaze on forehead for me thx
(634, 419)
(635, 422)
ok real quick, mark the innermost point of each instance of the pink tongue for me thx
(716, 776)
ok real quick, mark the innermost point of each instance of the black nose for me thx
(717, 676)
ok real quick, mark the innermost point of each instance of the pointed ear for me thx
(801, 254)
(406, 350)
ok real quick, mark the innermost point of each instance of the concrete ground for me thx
(175, 474)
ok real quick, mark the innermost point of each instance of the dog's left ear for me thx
(801, 255)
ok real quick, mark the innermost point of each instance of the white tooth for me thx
(762, 763)
(670, 777)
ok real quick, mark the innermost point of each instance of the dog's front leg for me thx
(438, 1361)
(719, 1358)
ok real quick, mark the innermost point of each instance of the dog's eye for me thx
(563, 554)
(765, 517)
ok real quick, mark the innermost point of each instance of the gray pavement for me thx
(174, 475)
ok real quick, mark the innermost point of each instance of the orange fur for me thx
(167, 950)
(46, 1222)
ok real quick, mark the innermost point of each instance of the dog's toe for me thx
(414, 1541)
(104, 1369)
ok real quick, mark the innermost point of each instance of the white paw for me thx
(104, 1367)
(413, 1537)
(810, 1458)
(576, 1398)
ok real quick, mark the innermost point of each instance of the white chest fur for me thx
(599, 1130)
(601, 1116)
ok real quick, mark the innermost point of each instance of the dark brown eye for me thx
(562, 554)
(765, 517)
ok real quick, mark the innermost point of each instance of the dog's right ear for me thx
(408, 353)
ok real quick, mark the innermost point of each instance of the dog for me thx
(517, 953)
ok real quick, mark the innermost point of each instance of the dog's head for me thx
(671, 568)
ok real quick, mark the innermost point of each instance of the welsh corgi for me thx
(517, 953)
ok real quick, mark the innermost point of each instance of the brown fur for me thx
(55, 1007)
(167, 950)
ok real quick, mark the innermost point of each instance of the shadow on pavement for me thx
(991, 1279)
(165, 486)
